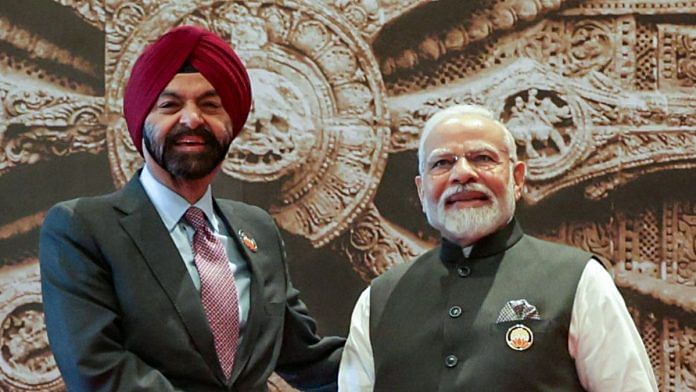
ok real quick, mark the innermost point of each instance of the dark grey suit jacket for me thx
(123, 314)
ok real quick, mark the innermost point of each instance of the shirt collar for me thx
(171, 206)
(495, 243)
(466, 251)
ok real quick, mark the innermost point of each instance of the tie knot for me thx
(196, 218)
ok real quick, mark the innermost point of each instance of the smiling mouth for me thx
(467, 198)
(190, 141)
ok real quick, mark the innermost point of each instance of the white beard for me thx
(468, 225)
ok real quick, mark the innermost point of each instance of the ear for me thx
(419, 186)
(519, 172)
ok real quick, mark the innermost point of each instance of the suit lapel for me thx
(253, 326)
(145, 227)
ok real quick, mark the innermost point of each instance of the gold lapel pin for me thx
(519, 337)
(249, 242)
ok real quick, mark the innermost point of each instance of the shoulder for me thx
(241, 207)
(544, 244)
(237, 210)
(396, 272)
(555, 251)
(92, 208)
(77, 221)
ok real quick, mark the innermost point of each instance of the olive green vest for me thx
(433, 321)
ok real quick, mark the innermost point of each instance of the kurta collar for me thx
(495, 243)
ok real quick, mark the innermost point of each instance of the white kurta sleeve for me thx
(357, 370)
(608, 351)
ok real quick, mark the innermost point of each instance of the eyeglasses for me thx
(479, 160)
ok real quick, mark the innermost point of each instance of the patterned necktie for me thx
(218, 290)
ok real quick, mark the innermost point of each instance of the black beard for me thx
(188, 166)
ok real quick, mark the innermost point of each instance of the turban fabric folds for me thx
(157, 65)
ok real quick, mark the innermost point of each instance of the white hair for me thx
(459, 111)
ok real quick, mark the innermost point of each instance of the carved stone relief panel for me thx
(677, 56)
(651, 330)
(319, 102)
(26, 363)
(639, 242)
(597, 237)
(680, 374)
(374, 244)
(599, 95)
(687, 368)
(645, 74)
(683, 249)
(56, 125)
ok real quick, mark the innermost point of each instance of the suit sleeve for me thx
(306, 360)
(82, 311)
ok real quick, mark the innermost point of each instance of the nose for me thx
(462, 172)
(191, 116)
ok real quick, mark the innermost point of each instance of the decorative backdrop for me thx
(599, 94)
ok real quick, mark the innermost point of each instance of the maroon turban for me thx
(208, 54)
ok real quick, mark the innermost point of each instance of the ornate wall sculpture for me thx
(598, 93)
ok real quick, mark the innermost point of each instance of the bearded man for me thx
(160, 286)
(490, 309)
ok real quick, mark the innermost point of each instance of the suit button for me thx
(455, 311)
(451, 361)
(464, 271)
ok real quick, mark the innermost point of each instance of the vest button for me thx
(455, 311)
(464, 271)
(451, 361)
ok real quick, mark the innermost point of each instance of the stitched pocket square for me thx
(518, 310)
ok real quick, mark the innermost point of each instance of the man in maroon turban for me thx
(160, 286)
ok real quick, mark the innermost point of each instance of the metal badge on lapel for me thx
(249, 242)
(519, 337)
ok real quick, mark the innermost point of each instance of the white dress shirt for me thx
(171, 208)
(608, 352)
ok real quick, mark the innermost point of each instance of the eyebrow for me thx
(439, 152)
(209, 94)
(171, 94)
(493, 150)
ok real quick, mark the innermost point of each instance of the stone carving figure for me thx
(536, 120)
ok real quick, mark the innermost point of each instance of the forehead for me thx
(465, 133)
(188, 84)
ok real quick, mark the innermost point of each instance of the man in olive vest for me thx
(490, 309)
